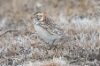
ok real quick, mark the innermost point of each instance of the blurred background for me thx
(16, 9)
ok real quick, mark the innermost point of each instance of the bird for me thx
(46, 28)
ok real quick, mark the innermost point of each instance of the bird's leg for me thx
(63, 41)
(52, 45)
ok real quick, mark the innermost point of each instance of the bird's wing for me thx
(51, 27)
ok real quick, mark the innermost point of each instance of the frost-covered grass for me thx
(25, 47)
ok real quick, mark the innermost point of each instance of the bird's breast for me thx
(44, 34)
(39, 30)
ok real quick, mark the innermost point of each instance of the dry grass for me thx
(79, 19)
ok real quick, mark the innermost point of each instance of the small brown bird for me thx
(46, 29)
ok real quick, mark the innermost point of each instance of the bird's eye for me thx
(40, 15)
(37, 15)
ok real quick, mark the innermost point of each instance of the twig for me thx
(5, 31)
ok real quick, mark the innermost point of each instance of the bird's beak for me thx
(32, 17)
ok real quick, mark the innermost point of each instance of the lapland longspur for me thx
(47, 29)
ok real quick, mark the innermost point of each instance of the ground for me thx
(21, 46)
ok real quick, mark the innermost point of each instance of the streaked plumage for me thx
(47, 29)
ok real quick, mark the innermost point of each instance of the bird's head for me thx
(39, 16)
